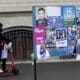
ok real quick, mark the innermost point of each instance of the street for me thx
(26, 73)
(47, 71)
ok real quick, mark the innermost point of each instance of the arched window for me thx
(22, 38)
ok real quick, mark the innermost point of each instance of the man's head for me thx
(79, 15)
(73, 42)
(79, 34)
(41, 13)
(69, 29)
(42, 46)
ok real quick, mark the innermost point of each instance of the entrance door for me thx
(19, 48)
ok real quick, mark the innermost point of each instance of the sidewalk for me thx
(45, 61)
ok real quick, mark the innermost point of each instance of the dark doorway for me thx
(22, 39)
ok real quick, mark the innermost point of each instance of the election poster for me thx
(50, 38)
(61, 38)
(56, 31)
(71, 38)
(78, 16)
(78, 35)
(39, 35)
(69, 13)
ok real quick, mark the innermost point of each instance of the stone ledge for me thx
(16, 7)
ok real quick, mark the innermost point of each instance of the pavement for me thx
(26, 73)
(69, 70)
(51, 60)
(47, 71)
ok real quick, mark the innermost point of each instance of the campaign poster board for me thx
(55, 31)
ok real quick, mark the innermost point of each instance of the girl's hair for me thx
(1, 27)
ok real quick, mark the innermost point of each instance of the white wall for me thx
(16, 19)
(20, 1)
(26, 5)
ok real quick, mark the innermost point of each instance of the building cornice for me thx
(27, 5)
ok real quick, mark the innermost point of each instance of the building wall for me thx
(16, 19)
(26, 5)
(19, 12)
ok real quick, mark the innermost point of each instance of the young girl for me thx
(4, 54)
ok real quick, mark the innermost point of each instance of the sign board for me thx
(56, 31)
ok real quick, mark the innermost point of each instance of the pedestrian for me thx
(4, 55)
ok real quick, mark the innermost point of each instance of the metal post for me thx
(35, 71)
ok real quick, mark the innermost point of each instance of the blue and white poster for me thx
(78, 16)
(69, 13)
(61, 38)
(58, 28)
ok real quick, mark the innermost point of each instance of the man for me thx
(57, 34)
(78, 19)
(41, 17)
